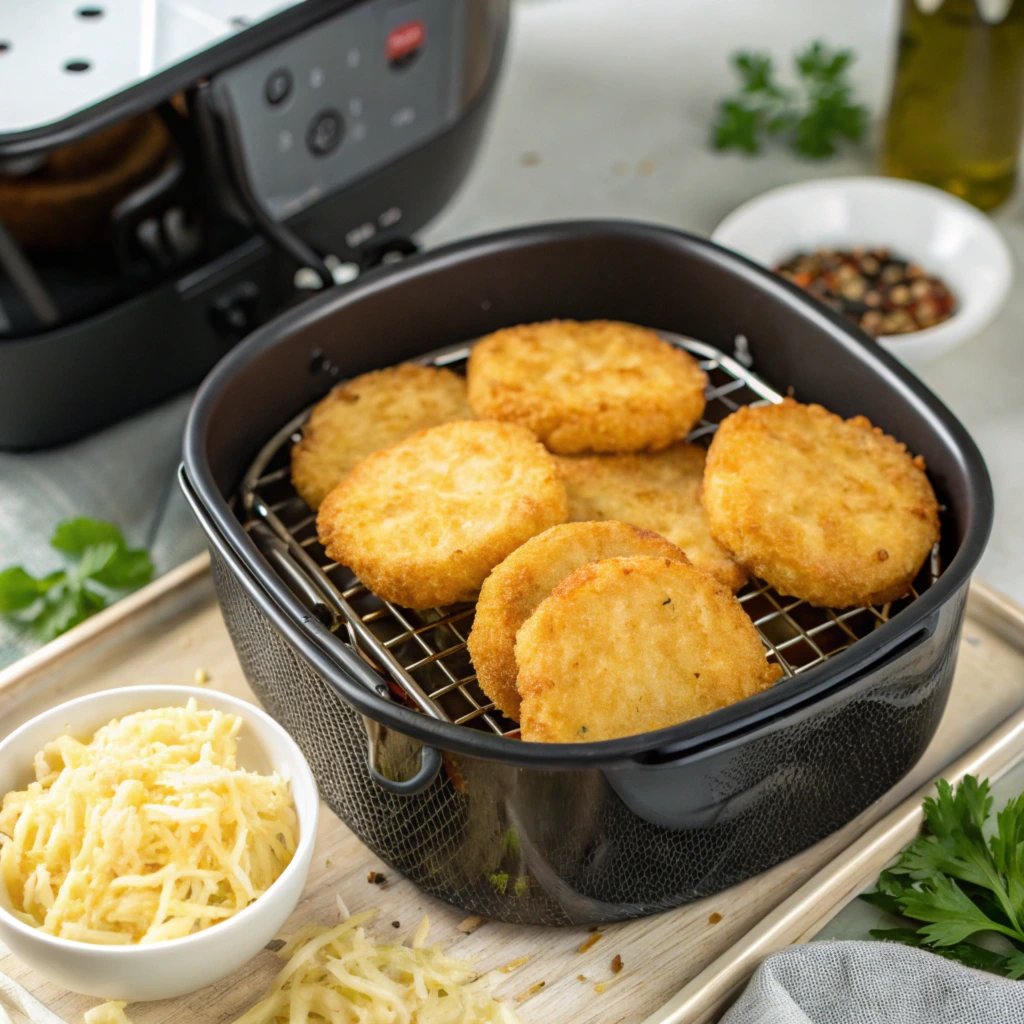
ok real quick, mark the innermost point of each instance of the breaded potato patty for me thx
(516, 586)
(367, 414)
(829, 510)
(629, 645)
(596, 386)
(423, 522)
(657, 491)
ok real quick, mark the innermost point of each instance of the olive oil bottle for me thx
(957, 104)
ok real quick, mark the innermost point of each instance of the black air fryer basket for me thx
(572, 833)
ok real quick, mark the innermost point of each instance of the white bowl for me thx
(949, 238)
(164, 969)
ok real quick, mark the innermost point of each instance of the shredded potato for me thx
(147, 832)
(111, 1012)
(338, 976)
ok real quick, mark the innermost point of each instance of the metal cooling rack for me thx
(421, 655)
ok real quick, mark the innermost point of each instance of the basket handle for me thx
(430, 765)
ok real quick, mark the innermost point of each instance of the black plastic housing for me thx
(598, 831)
(58, 384)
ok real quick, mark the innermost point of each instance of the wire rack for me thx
(421, 656)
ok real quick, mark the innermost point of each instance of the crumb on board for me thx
(377, 878)
(715, 918)
(616, 964)
(470, 924)
(513, 964)
(274, 945)
(396, 924)
(581, 977)
(594, 939)
(201, 677)
(594, 928)
(531, 991)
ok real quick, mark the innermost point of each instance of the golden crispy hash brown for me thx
(423, 522)
(368, 413)
(516, 586)
(600, 385)
(629, 645)
(830, 510)
(657, 491)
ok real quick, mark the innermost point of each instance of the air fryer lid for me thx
(584, 270)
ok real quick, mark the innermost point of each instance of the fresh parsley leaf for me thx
(814, 118)
(129, 569)
(100, 564)
(737, 127)
(75, 535)
(954, 882)
(756, 71)
(951, 914)
(19, 590)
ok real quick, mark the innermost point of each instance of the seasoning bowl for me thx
(163, 970)
(944, 235)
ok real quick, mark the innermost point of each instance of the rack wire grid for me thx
(422, 655)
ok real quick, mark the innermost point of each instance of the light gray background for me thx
(604, 110)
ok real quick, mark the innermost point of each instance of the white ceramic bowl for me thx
(164, 969)
(946, 236)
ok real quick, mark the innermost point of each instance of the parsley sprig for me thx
(956, 885)
(813, 117)
(100, 567)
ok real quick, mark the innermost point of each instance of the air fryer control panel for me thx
(330, 105)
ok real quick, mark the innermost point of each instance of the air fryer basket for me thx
(581, 832)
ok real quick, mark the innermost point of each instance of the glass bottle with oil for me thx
(957, 104)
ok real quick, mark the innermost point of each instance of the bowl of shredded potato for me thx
(152, 839)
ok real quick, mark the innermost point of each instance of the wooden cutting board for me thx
(172, 630)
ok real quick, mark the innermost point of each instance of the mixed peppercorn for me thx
(880, 292)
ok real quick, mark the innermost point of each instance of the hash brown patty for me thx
(423, 522)
(516, 586)
(630, 645)
(657, 491)
(598, 385)
(829, 510)
(369, 413)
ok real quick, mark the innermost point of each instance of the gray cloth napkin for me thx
(126, 474)
(873, 983)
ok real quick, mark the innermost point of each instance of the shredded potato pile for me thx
(337, 975)
(147, 832)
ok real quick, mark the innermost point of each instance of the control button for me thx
(357, 236)
(404, 43)
(403, 117)
(278, 87)
(325, 133)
